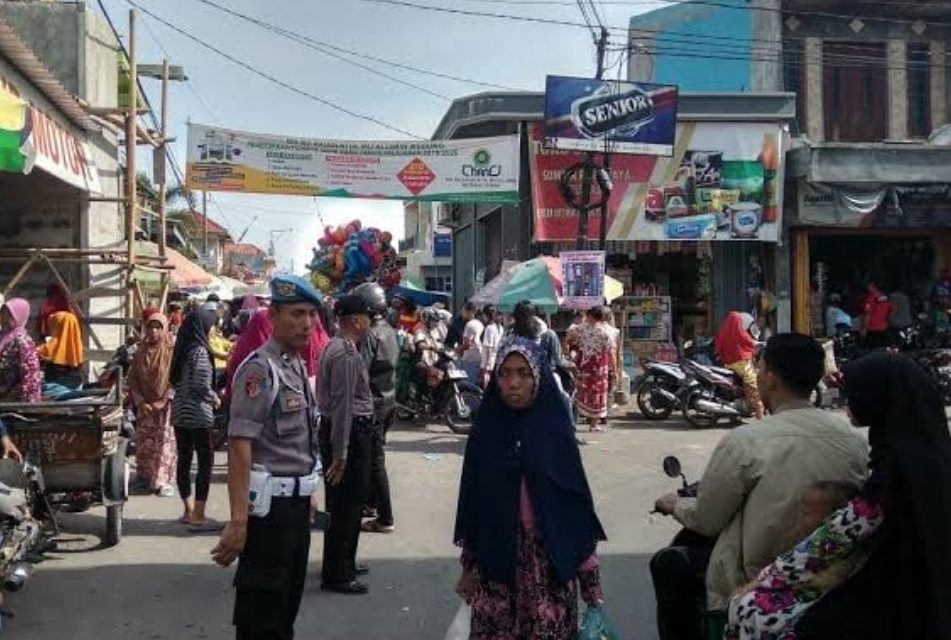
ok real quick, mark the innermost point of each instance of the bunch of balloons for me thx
(348, 255)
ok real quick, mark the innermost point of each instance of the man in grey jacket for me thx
(749, 495)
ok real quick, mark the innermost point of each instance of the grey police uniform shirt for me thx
(343, 391)
(279, 422)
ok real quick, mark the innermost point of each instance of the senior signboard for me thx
(471, 170)
(597, 115)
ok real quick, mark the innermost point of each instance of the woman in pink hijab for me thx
(21, 379)
(258, 332)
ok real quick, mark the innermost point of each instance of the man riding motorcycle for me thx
(426, 345)
(749, 494)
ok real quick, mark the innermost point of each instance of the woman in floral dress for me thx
(21, 379)
(879, 567)
(526, 519)
(593, 351)
(156, 455)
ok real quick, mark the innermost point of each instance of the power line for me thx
(351, 52)
(320, 49)
(627, 30)
(270, 78)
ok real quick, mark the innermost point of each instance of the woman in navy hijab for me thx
(526, 519)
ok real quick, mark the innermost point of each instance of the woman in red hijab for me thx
(56, 300)
(736, 347)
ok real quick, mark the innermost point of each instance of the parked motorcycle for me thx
(22, 541)
(717, 394)
(665, 384)
(446, 394)
(661, 390)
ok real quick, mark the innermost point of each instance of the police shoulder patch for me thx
(253, 383)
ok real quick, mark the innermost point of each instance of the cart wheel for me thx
(113, 525)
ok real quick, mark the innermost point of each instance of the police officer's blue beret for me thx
(289, 289)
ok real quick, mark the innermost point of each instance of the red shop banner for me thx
(723, 182)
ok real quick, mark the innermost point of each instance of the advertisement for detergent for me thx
(471, 170)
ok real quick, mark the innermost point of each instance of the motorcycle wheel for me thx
(471, 397)
(695, 418)
(645, 402)
(113, 525)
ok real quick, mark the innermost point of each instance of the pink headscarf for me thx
(20, 311)
(255, 334)
(311, 353)
(250, 303)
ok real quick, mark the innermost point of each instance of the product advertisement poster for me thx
(481, 170)
(582, 279)
(627, 117)
(724, 181)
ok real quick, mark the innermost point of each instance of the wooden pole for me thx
(130, 151)
(162, 183)
(204, 225)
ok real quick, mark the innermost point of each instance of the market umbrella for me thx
(419, 296)
(538, 280)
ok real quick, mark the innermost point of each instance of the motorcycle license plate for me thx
(457, 374)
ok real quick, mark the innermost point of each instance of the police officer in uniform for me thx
(346, 444)
(272, 428)
(380, 352)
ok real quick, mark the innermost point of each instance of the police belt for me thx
(294, 487)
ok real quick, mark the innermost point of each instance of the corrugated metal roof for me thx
(25, 61)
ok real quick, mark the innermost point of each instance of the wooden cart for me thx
(79, 448)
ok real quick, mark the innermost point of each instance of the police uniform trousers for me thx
(379, 480)
(271, 571)
(345, 500)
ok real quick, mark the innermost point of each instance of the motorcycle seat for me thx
(723, 371)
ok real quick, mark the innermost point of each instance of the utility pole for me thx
(161, 152)
(131, 195)
(204, 224)
(588, 176)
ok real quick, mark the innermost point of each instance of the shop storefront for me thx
(691, 236)
(880, 215)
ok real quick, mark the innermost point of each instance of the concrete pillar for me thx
(897, 63)
(939, 84)
(812, 70)
(766, 72)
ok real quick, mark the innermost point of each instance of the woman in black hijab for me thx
(192, 376)
(526, 519)
(879, 567)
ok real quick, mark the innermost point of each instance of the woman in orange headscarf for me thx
(156, 455)
(62, 354)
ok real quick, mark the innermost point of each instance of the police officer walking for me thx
(346, 444)
(273, 470)
(380, 352)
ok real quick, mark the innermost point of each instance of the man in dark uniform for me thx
(346, 443)
(272, 428)
(380, 352)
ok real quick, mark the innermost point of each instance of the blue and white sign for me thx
(442, 242)
(582, 114)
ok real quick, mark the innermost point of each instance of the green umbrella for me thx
(533, 281)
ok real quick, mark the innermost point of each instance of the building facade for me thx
(426, 247)
(50, 55)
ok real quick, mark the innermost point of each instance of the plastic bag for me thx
(459, 629)
(596, 625)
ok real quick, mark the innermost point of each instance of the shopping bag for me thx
(596, 625)
(459, 629)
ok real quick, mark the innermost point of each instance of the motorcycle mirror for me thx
(672, 466)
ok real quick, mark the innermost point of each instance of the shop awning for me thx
(185, 274)
(870, 164)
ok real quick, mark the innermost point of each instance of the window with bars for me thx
(919, 89)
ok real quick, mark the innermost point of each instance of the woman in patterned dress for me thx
(21, 379)
(151, 392)
(525, 521)
(593, 352)
(879, 567)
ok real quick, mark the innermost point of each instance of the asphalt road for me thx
(159, 583)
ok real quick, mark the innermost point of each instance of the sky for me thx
(512, 54)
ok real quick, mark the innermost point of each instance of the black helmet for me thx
(373, 295)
